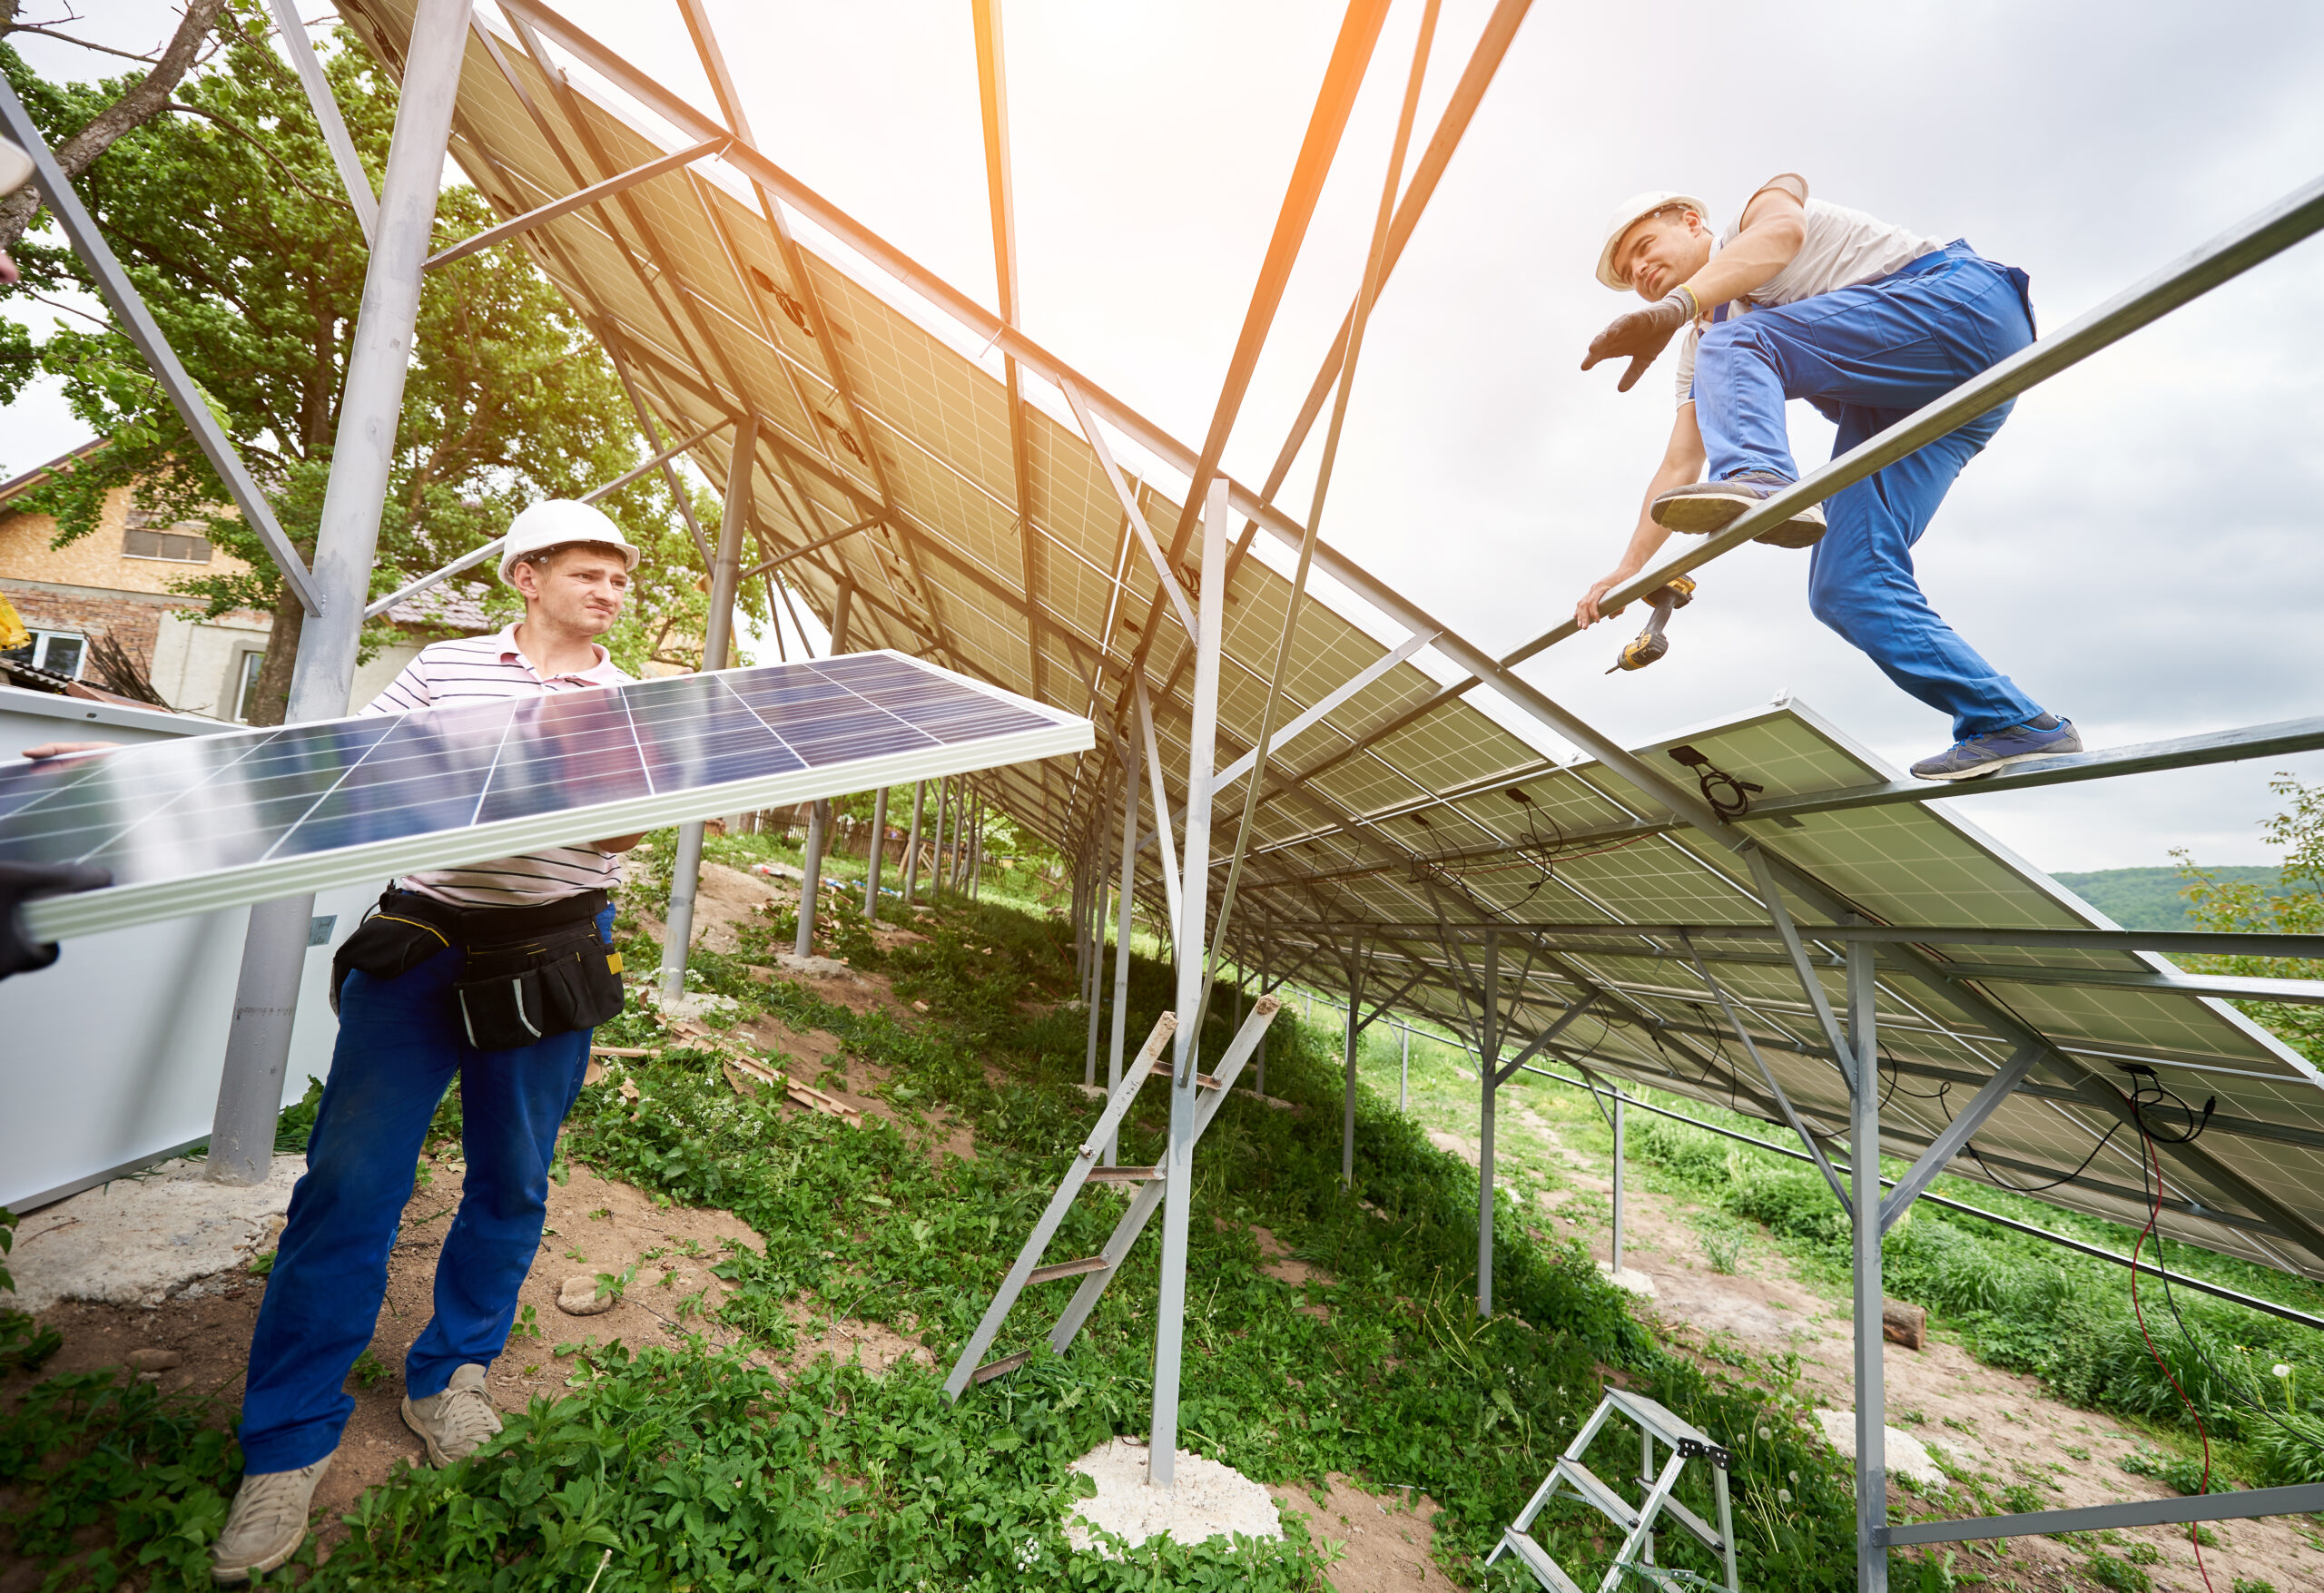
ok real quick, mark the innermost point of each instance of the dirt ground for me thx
(1382, 1540)
(1981, 1419)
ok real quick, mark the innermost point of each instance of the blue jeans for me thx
(1867, 357)
(400, 1044)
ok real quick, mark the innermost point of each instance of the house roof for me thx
(10, 489)
(457, 606)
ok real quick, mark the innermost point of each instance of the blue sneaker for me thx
(2047, 736)
(1707, 506)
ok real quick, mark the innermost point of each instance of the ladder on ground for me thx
(1096, 1270)
(1635, 1558)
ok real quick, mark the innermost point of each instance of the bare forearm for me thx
(1647, 538)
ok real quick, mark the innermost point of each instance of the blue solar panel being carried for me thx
(218, 821)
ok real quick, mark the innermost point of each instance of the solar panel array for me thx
(1383, 815)
(215, 820)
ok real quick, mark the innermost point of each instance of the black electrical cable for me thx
(2154, 1227)
(2001, 1183)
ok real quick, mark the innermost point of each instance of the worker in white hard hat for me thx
(1803, 299)
(493, 974)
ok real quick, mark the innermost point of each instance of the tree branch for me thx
(132, 111)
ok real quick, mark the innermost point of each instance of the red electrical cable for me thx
(2153, 1218)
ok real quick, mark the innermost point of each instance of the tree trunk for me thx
(270, 693)
(133, 110)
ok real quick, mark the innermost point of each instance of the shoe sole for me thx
(236, 1577)
(1700, 515)
(1982, 770)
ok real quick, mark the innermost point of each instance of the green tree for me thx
(2248, 907)
(228, 215)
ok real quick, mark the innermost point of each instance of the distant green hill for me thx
(2149, 898)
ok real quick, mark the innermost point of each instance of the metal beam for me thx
(352, 177)
(2299, 1500)
(1957, 1134)
(1326, 704)
(57, 193)
(785, 557)
(491, 236)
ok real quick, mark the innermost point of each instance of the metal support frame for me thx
(811, 875)
(1353, 1031)
(1194, 905)
(1126, 906)
(275, 945)
(911, 843)
(2301, 1499)
(120, 294)
(1614, 1252)
(1863, 1219)
(717, 644)
(1404, 1071)
(1783, 1101)
(517, 226)
(871, 859)
(352, 177)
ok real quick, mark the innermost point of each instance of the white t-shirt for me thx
(480, 669)
(1841, 248)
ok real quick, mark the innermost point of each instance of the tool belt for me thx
(529, 972)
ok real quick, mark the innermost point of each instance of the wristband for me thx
(1692, 305)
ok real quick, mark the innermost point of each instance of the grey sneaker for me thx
(1712, 506)
(267, 1524)
(457, 1422)
(1998, 749)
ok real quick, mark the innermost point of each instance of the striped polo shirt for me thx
(477, 669)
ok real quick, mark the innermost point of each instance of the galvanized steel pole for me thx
(717, 645)
(1488, 1063)
(871, 863)
(274, 950)
(911, 845)
(1615, 1251)
(810, 873)
(1129, 889)
(1177, 1201)
(1871, 1391)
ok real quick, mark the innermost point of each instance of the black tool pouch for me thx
(519, 992)
(386, 946)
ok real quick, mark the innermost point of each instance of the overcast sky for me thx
(2140, 548)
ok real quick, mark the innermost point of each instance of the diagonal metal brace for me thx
(1957, 1133)
(185, 395)
(1502, 1074)
(1790, 1115)
(1841, 1052)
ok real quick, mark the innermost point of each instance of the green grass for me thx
(846, 1481)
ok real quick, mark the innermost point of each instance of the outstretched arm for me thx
(1775, 224)
(1683, 466)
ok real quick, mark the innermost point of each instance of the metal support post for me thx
(811, 872)
(274, 949)
(936, 842)
(911, 845)
(1487, 1066)
(1129, 905)
(1355, 1033)
(1195, 895)
(1871, 1393)
(717, 646)
(976, 857)
(1615, 1249)
(1093, 987)
(871, 863)
(1405, 1071)
(842, 610)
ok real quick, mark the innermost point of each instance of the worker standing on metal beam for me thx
(1802, 299)
(494, 973)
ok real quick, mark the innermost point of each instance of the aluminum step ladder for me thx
(1096, 1270)
(1635, 1558)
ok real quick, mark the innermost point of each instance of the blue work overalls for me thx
(1867, 357)
(400, 1044)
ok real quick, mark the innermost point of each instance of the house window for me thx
(57, 651)
(247, 683)
(176, 546)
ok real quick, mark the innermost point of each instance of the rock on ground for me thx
(1907, 1457)
(143, 1240)
(1208, 1499)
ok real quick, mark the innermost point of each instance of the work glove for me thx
(1642, 335)
(19, 882)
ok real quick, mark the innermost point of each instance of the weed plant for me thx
(698, 1469)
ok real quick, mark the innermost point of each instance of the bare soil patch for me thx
(1385, 1540)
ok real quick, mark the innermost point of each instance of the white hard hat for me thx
(1629, 214)
(559, 522)
(15, 167)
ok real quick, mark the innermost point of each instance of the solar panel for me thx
(218, 821)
